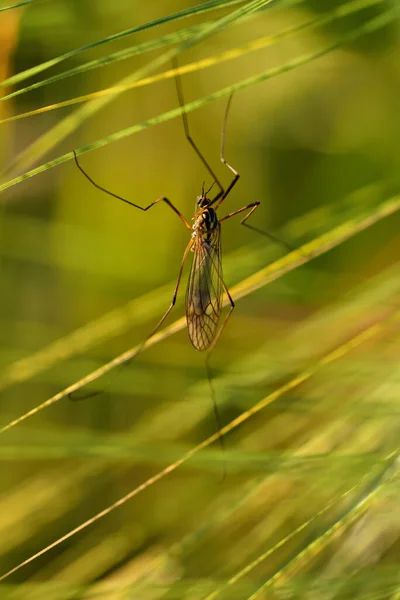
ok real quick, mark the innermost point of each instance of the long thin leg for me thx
(75, 396)
(161, 199)
(171, 306)
(208, 369)
(253, 206)
(186, 128)
(219, 198)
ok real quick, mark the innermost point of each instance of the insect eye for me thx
(202, 201)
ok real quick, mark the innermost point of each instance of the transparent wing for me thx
(204, 291)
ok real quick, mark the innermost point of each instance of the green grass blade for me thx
(61, 130)
(195, 10)
(339, 352)
(338, 13)
(377, 482)
(70, 123)
(18, 5)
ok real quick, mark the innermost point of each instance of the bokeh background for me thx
(308, 506)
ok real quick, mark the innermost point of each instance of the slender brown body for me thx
(204, 290)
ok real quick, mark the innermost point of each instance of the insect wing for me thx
(204, 290)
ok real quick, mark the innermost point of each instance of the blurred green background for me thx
(85, 277)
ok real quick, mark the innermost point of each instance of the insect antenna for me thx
(210, 188)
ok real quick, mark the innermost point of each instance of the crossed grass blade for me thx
(301, 378)
(200, 8)
(69, 124)
(263, 42)
(177, 37)
(377, 483)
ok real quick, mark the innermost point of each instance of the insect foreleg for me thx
(186, 128)
(143, 208)
(75, 396)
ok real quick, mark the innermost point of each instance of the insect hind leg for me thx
(143, 208)
(74, 396)
(209, 375)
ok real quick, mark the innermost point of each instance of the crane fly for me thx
(206, 285)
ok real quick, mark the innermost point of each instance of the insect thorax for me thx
(206, 223)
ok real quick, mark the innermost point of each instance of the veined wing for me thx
(204, 290)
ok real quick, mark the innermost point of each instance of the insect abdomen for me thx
(204, 291)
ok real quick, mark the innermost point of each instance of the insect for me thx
(206, 285)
